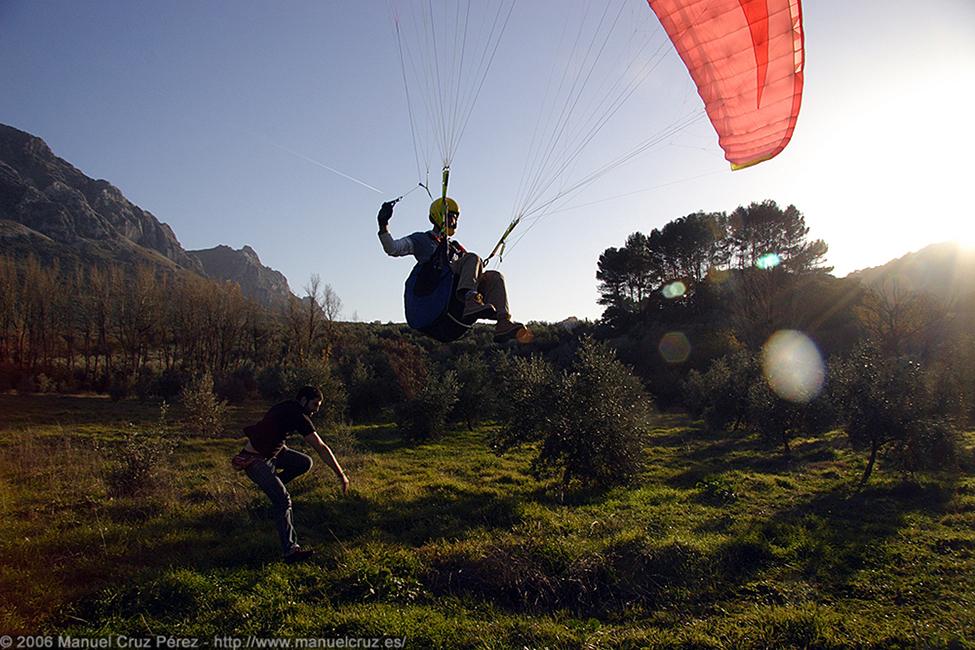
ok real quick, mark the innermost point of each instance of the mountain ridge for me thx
(51, 209)
(945, 270)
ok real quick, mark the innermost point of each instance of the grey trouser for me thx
(271, 476)
(490, 284)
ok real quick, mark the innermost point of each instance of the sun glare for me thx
(965, 235)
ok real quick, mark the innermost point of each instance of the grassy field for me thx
(722, 543)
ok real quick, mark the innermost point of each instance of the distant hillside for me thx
(51, 210)
(946, 271)
(267, 286)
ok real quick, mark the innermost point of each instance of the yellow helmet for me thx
(437, 213)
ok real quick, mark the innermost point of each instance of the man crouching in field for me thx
(270, 464)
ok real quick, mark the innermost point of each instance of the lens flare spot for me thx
(673, 290)
(674, 347)
(768, 261)
(793, 366)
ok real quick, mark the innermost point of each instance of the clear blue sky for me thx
(196, 111)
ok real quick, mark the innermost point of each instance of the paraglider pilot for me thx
(482, 292)
(271, 465)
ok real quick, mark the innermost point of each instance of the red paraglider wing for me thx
(746, 57)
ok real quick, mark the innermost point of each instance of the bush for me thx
(238, 385)
(271, 383)
(407, 365)
(44, 384)
(592, 420)
(9, 376)
(26, 384)
(120, 386)
(366, 394)
(476, 398)
(720, 395)
(204, 412)
(171, 383)
(136, 463)
(319, 374)
(425, 416)
(779, 420)
(276, 383)
(892, 406)
(346, 447)
(146, 384)
(527, 397)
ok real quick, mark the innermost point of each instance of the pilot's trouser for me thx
(490, 284)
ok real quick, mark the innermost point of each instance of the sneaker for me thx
(298, 554)
(474, 308)
(511, 330)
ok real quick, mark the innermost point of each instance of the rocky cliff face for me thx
(267, 286)
(50, 209)
(52, 198)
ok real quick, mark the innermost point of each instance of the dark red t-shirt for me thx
(268, 435)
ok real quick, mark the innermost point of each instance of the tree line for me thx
(898, 372)
(689, 308)
(102, 327)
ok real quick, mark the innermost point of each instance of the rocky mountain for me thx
(945, 271)
(46, 199)
(50, 209)
(267, 286)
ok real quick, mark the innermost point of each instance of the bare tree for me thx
(901, 321)
(311, 320)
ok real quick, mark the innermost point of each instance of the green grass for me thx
(722, 543)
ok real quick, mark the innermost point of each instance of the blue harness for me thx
(431, 300)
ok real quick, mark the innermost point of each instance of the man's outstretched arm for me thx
(328, 458)
(393, 247)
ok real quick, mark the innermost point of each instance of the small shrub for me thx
(779, 420)
(344, 444)
(592, 420)
(425, 416)
(204, 411)
(366, 392)
(717, 489)
(893, 406)
(271, 383)
(720, 395)
(136, 463)
(476, 398)
(408, 368)
(44, 383)
(527, 400)
(26, 384)
(171, 383)
(238, 385)
(120, 386)
(146, 384)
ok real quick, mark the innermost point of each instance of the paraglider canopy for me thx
(746, 57)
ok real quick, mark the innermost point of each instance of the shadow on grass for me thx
(834, 535)
(148, 543)
(381, 439)
(446, 512)
(715, 453)
(65, 410)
